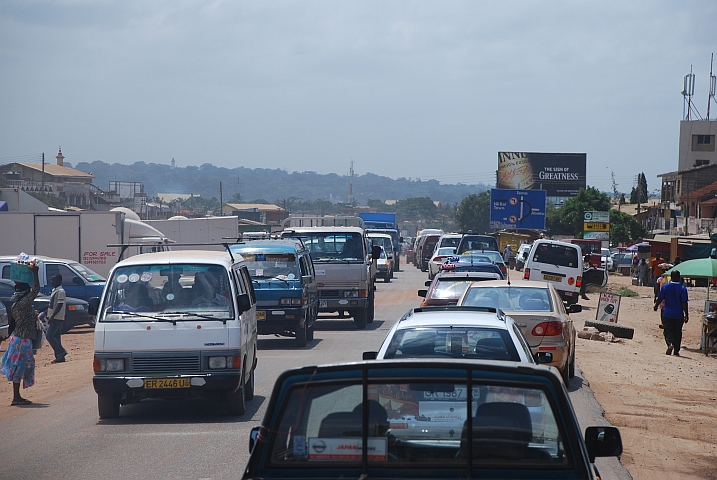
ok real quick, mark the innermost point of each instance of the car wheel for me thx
(108, 405)
(360, 318)
(301, 336)
(310, 333)
(249, 387)
(92, 321)
(371, 313)
(620, 331)
(235, 402)
(565, 373)
(571, 370)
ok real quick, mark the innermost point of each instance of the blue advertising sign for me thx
(511, 209)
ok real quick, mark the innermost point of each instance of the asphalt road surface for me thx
(193, 439)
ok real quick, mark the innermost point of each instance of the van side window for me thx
(249, 287)
(5, 271)
(303, 266)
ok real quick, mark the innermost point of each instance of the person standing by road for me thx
(18, 363)
(655, 263)
(56, 318)
(675, 313)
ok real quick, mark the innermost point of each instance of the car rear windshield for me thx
(417, 424)
(477, 242)
(456, 342)
(554, 254)
(509, 298)
(451, 288)
(331, 246)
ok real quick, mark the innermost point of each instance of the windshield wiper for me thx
(281, 279)
(194, 314)
(143, 315)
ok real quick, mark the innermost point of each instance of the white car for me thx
(439, 258)
(457, 332)
(606, 260)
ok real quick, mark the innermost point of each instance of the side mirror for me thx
(428, 283)
(253, 438)
(422, 293)
(543, 357)
(575, 308)
(94, 305)
(370, 355)
(603, 442)
(78, 281)
(307, 280)
(375, 252)
(244, 302)
(453, 251)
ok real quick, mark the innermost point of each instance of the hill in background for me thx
(272, 184)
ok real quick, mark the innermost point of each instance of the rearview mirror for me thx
(370, 355)
(422, 293)
(575, 308)
(603, 442)
(253, 437)
(244, 302)
(543, 357)
(428, 283)
(375, 252)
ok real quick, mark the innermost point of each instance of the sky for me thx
(415, 89)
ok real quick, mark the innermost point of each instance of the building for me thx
(264, 213)
(74, 186)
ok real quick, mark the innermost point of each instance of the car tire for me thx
(108, 405)
(249, 387)
(571, 370)
(620, 331)
(93, 321)
(360, 318)
(301, 335)
(565, 373)
(371, 312)
(235, 402)
(310, 333)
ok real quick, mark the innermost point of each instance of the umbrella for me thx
(633, 248)
(697, 268)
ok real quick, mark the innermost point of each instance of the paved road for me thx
(192, 439)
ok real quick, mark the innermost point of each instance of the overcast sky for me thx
(427, 89)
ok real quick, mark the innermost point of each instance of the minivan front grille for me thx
(165, 364)
(329, 293)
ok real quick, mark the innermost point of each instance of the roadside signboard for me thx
(513, 209)
(596, 225)
(559, 174)
(608, 307)
(603, 217)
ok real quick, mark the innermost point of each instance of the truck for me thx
(78, 236)
(344, 262)
(207, 230)
(385, 223)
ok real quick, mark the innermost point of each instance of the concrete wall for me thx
(19, 201)
(690, 152)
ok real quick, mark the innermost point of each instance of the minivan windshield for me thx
(555, 254)
(141, 292)
(332, 246)
(271, 265)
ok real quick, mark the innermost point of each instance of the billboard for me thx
(559, 174)
(513, 209)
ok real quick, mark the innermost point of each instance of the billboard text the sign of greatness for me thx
(559, 174)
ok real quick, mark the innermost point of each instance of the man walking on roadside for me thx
(675, 313)
(655, 263)
(56, 318)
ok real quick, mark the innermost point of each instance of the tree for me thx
(572, 211)
(639, 194)
(625, 228)
(473, 213)
(236, 198)
(421, 208)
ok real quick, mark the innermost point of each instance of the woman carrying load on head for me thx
(18, 363)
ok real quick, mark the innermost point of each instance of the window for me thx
(474, 343)
(704, 139)
(703, 143)
(52, 269)
(699, 163)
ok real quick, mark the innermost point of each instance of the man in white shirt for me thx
(56, 318)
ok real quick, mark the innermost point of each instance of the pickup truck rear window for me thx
(417, 423)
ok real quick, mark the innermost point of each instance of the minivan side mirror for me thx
(94, 305)
(370, 355)
(422, 293)
(603, 442)
(244, 302)
(253, 436)
(375, 252)
(575, 308)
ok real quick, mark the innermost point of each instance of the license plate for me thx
(166, 383)
(260, 315)
(553, 278)
(323, 304)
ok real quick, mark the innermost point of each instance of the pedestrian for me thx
(56, 318)
(643, 273)
(18, 363)
(655, 263)
(675, 313)
(584, 284)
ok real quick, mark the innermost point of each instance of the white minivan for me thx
(176, 325)
(559, 263)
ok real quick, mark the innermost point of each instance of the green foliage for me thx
(639, 194)
(381, 206)
(626, 292)
(413, 209)
(50, 200)
(571, 213)
(473, 213)
(236, 198)
(625, 228)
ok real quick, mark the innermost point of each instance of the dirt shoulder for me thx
(665, 406)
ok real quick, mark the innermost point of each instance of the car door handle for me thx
(522, 325)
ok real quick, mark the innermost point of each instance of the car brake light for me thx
(526, 274)
(547, 329)
(579, 282)
(502, 268)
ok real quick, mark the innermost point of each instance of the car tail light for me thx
(526, 274)
(502, 268)
(439, 259)
(448, 266)
(579, 282)
(547, 329)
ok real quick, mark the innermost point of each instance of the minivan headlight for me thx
(290, 301)
(351, 293)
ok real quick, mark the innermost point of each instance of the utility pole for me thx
(43, 172)
(221, 201)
